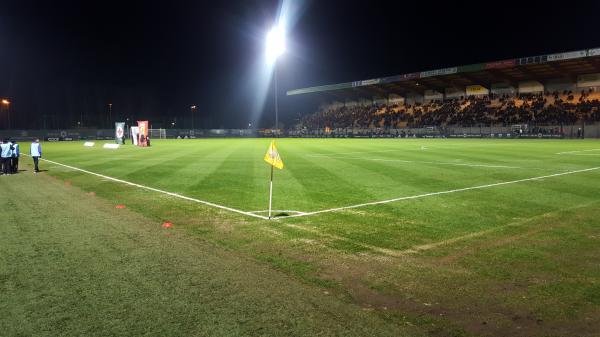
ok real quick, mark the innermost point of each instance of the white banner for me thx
(135, 132)
(594, 52)
(567, 56)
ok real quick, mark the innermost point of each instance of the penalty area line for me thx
(203, 202)
(418, 196)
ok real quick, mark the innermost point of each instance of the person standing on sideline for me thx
(15, 157)
(36, 153)
(5, 155)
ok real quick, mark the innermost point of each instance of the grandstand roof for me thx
(561, 65)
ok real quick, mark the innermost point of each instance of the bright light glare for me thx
(275, 43)
(5, 101)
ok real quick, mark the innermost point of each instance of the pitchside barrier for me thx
(513, 131)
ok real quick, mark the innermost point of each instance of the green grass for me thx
(73, 265)
(511, 259)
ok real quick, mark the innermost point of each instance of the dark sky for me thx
(63, 61)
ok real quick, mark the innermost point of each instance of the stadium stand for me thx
(544, 109)
(547, 90)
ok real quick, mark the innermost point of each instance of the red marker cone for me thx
(120, 206)
(167, 225)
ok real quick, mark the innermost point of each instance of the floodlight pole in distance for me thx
(276, 102)
(275, 48)
(109, 113)
(193, 109)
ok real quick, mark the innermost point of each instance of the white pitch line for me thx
(277, 210)
(418, 196)
(354, 152)
(570, 152)
(207, 203)
(435, 162)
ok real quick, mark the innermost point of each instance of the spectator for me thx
(15, 157)
(36, 154)
(5, 156)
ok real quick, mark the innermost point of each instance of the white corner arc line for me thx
(418, 196)
(207, 203)
(277, 210)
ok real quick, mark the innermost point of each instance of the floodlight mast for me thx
(275, 48)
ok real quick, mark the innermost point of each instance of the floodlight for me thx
(275, 43)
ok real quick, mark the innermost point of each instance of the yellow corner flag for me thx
(272, 156)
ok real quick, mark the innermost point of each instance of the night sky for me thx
(62, 62)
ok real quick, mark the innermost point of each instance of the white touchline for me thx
(569, 152)
(207, 203)
(418, 196)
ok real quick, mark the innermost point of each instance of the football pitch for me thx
(462, 237)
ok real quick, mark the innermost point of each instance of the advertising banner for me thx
(475, 90)
(532, 60)
(366, 82)
(135, 135)
(400, 78)
(143, 133)
(471, 68)
(567, 56)
(501, 64)
(439, 72)
(119, 132)
(594, 52)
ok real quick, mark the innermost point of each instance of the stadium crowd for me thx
(536, 109)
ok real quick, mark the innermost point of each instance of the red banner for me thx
(501, 64)
(143, 135)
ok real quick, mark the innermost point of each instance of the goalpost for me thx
(157, 133)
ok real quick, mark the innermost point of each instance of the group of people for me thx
(10, 153)
(539, 109)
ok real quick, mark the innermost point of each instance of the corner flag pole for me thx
(272, 157)
(271, 192)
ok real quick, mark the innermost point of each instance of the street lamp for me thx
(6, 103)
(109, 113)
(275, 48)
(193, 109)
